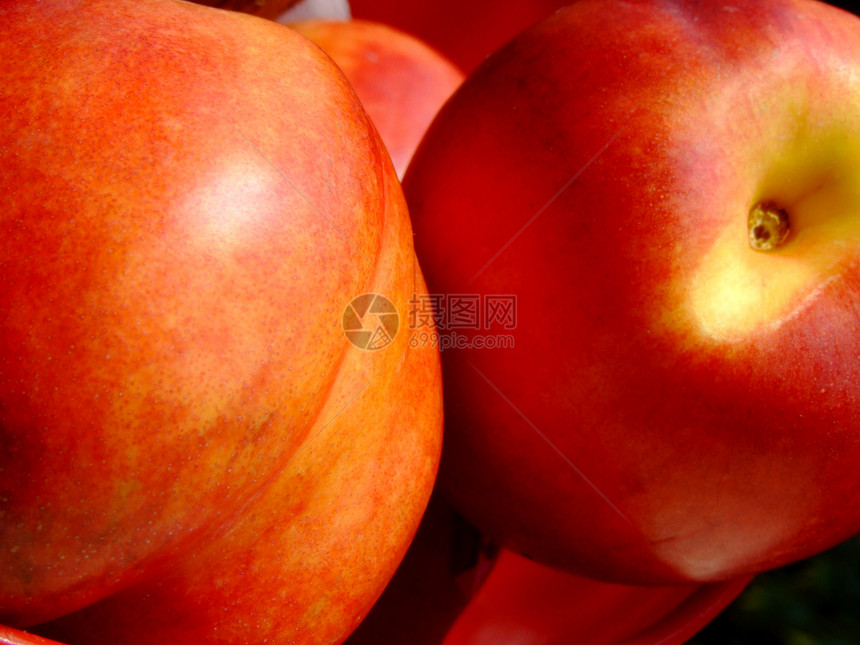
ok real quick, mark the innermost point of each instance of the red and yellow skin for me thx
(191, 199)
(678, 406)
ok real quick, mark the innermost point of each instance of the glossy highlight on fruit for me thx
(678, 406)
(191, 449)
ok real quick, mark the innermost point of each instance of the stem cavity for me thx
(768, 226)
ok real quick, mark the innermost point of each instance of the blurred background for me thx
(812, 602)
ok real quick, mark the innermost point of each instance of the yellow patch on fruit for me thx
(737, 290)
(802, 224)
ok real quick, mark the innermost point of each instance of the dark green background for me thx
(812, 602)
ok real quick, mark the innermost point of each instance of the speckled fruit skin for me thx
(401, 81)
(191, 199)
(677, 407)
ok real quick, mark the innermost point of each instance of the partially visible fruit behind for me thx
(444, 569)
(522, 601)
(465, 32)
(401, 81)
